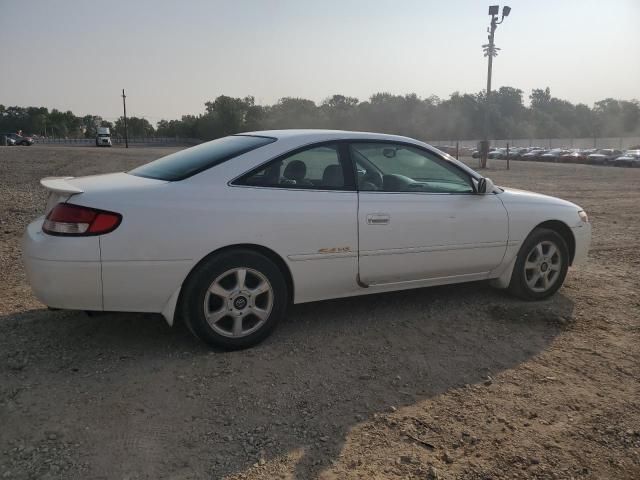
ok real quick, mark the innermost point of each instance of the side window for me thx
(391, 167)
(315, 168)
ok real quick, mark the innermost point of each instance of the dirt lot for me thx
(451, 382)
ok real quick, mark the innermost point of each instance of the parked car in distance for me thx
(603, 156)
(517, 153)
(497, 153)
(631, 158)
(16, 139)
(466, 151)
(574, 155)
(553, 155)
(533, 155)
(8, 141)
(308, 215)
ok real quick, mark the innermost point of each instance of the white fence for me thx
(621, 143)
(119, 141)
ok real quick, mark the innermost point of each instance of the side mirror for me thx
(485, 185)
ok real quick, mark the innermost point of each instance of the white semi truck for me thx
(103, 137)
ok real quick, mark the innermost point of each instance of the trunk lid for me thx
(63, 188)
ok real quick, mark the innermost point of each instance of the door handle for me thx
(378, 219)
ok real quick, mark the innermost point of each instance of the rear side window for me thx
(315, 168)
(186, 163)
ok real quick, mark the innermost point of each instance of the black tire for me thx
(194, 294)
(519, 285)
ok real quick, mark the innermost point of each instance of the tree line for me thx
(55, 123)
(459, 117)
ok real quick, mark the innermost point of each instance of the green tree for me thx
(136, 127)
(292, 112)
(90, 123)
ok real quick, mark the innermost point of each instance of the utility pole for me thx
(490, 51)
(124, 106)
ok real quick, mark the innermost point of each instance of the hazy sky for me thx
(172, 56)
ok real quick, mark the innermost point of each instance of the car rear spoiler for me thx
(60, 185)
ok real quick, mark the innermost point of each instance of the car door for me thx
(306, 201)
(419, 218)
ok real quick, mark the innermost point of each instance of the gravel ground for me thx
(449, 382)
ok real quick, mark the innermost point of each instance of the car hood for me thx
(513, 195)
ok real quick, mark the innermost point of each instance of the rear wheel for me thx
(234, 299)
(541, 265)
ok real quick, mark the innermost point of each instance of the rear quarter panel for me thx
(167, 230)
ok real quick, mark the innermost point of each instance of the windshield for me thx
(186, 163)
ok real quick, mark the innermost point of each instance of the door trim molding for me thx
(434, 248)
(320, 256)
(428, 282)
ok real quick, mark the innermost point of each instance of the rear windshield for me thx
(186, 163)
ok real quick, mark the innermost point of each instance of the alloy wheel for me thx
(238, 302)
(542, 266)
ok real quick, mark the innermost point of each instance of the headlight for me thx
(583, 216)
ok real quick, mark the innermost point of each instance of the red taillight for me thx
(75, 220)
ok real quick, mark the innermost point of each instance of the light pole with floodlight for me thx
(490, 51)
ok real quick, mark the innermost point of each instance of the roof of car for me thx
(321, 134)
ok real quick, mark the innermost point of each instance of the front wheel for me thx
(234, 299)
(541, 265)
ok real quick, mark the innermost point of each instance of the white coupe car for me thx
(227, 234)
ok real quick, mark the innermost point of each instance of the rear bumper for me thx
(582, 235)
(67, 285)
(63, 272)
(67, 273)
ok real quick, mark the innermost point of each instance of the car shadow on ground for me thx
(127, 396)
